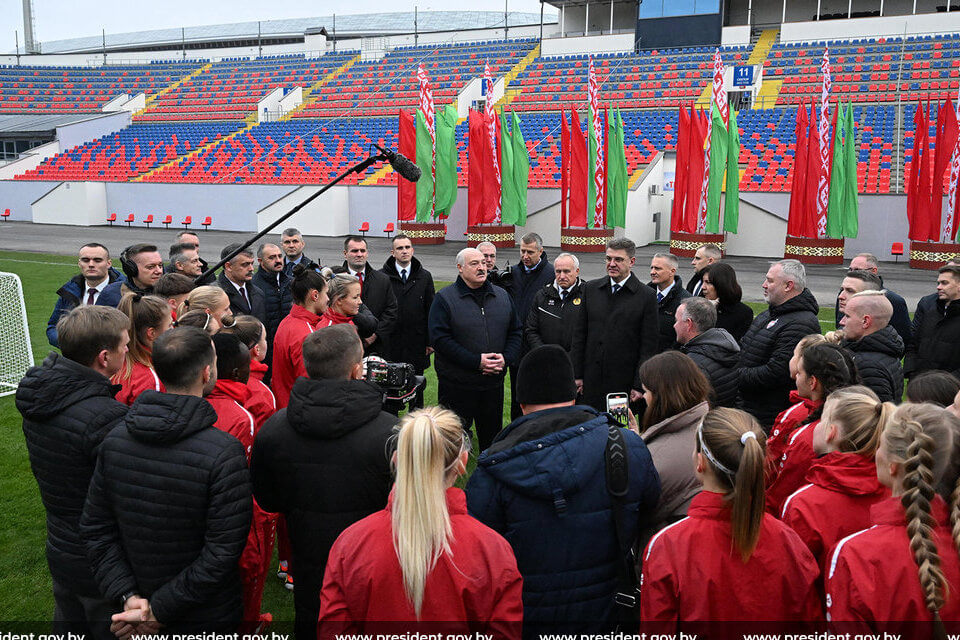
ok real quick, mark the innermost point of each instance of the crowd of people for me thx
(191, 421)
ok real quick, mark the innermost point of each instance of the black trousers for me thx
(515, 411)
(482, 408)
(82, 615)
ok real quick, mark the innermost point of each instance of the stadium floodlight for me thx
(16, 354)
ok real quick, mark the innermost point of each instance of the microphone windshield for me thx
(404, 167)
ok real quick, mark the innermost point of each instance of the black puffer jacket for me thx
(323, 463)
(935, 341)
(877, 357)
(67, 410)
(765, 353)
(716, 352)
(168, 512)
(277, 298)
(666, 314)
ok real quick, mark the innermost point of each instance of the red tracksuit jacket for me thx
(227, 399)
(872, 582)
(792, 468)
(783, 427)
(479, 588)
(142, 378)
(836, 503)
(288, 351)
(692, 573)
(261, 403)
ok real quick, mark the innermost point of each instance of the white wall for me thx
(136, 103)
(29, 160)
(735, 36)
(760, 233)
(74, 203)
(618, 42)
(328, 215)
(270, 102)
(77, 133)
(291, 101)
(474, 91)
(870, 27)
(641, 206)
(116, 104)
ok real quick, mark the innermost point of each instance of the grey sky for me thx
(60, 19)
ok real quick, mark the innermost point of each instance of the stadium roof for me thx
(347, 26)
(27, 124)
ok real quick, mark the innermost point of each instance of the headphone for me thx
(130, 268)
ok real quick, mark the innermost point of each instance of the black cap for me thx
(545, 376)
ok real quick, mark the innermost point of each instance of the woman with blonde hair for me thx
(902, 575)
(842, 481)
(423, 558)
(728, 560)
(343, 291)
(149, 317)
(209, 299)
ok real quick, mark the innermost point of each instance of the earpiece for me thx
(129, 267)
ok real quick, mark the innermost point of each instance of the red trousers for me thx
(255, 564)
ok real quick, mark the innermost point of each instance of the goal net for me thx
(16, 354)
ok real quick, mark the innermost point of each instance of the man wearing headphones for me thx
(142, 265)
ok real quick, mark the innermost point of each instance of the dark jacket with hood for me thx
(71, 295)
(666, 313)
(935, 343)
(113, 292)
(552, 320)
(323, 463)
(765, 353)
(523, 286)
(277, 298)
(67, 410)
(877, 357)
(900, 320)
(168, 513)
(716, 352)
(542, 485)
(408, 340)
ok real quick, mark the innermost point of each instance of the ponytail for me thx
(247, 328)
(860, 418)
(832, 366)
(428, 449)
(205, 297)
(306, 279)
(145, 312)
(731, 440)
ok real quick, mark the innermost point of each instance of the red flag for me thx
(920, 126)
(691, 207)
(477, 145)
(798, 190)
(406, 190)
(810, 218)
(578, 173)
(946, 141)
(682, 170)
(564, 168)
(922, 220)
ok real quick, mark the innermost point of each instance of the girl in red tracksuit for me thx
(423, 558)
(797, 414)
(843, 480)
(902, 575)
(309, 291)
(727, 560)
(252, 334)
(822, 369)
(149, 317)
(344, 292)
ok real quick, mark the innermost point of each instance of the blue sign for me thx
(742, 76)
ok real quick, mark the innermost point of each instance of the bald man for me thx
(875, 344)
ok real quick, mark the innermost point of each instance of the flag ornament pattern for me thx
(823, 188)
(949, 232)
(719, 100)
(426, 112)
(598, 168)
(491, 116)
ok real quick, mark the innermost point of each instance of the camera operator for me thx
(322, 461)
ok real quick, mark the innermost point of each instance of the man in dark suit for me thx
(292, 242)
(616, 331)
(413, 288)
(236, 280)
(705, 256)
(670, 294)
(376, 292)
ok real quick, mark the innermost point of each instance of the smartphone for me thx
(618, 404)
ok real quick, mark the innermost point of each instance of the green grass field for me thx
(25, 591)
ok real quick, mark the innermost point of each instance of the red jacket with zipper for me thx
(792, 467)
(288, 351)
(142, 378)
(227, 399)
(261, 403)
(783, 427)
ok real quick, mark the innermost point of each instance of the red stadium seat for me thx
(167, 220)
(148, 220)
(897, 250)
(206, 222)
(364, 228)
(187, 221)
(387, 230)
(6, 214)
(112, 218)
(129, 219)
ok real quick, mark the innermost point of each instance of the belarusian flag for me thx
(596, 198)
(446, 183)
(426, 148)
(731, 205)
(508, 188)
(616, 174)
(521, 168)
(718, 161)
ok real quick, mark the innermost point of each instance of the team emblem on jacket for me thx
(772, 322)
(576, 301)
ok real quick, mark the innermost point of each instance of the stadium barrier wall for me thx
(78, 133)
(28, 160)
(81, 204)
(19, 196)
(818, 30)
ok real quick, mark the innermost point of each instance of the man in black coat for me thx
(616, 331)
(274, 283)
(936, 328)
(705, 256)
(875, 345)
(323, 461)
(670, 293)
(556, 306)
(767, 347)
(292, 242)
(901, 317)
(68, 407)
(377, 294)
(237, 281)
(413, 289)
(522, 282)
(714, 350)
(168, 510)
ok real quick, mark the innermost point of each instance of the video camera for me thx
(398, 380)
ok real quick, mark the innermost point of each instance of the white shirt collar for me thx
(667, 290)
(400, 268)
(100, 287)
(621, 282)
(235, 285)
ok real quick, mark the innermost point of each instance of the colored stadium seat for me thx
(387, 229)
(167, 220)
(129, 220)
(112, 218)
(148, 220)
(6, 214)
(206, 222)
(364, 227)
(187, 221)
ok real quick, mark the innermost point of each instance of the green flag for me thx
(616, 174)
(837, 180)
(446, 160)
(425, 162)
(509, 206)
(521, 168)
(731, 203)
(851, 208)
(718, 162)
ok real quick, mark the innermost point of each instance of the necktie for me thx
(563, 294)
(90, 293)
(403, 276)
(659, 297)
(616, 288)
(243, 293)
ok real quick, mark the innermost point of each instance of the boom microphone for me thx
(401, 164)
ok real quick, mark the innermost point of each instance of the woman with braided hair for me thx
(903, 574)
(727, 560)
(821, 370)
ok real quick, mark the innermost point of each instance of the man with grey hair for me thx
(901, 316)
(705, 256)
(556, 306)
(767, 347)
(292, 242)
(522, 282)
(714, 350)
(236, 280)
(489, 251)
(475, 333)
(874, 343)
(670, 293)
(185, 259)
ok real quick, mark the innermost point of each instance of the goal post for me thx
(16, 353)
